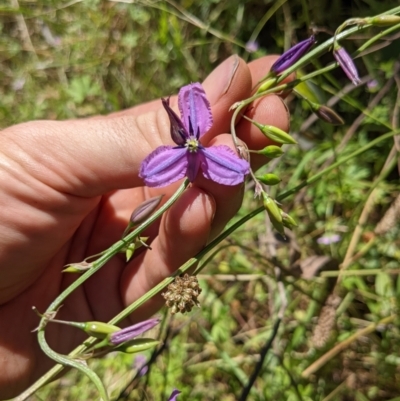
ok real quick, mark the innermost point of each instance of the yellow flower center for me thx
(192, 144)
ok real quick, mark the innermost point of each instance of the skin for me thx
(67, 189)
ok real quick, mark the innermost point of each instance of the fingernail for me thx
(220, 80)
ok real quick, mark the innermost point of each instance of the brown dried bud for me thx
(182, 294)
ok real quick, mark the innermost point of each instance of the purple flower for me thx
(329, 239)
(129, 333)
(174, 394)
(140, 363)
(292, 55)
(347, 64)
(168, 164)
(252, 46)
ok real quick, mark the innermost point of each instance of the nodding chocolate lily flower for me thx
(347, 64)
(168, 164)
(292, 55)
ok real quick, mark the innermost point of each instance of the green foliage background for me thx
(67, 59)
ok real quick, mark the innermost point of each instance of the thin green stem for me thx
(96, 265)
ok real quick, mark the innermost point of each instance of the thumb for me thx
(90, 157)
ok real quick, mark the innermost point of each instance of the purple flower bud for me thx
(347, 64)
(328, 239)
(145, 209)
(292, 55)
(174, 394)
(127, 334)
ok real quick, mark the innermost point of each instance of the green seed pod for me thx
(271, 151)
(274, 213)
(129, 251)
(383, 20)
(99, 329)
(288, 221)
(269, 179)
(137, 345)
(275, 134)
(266, 85)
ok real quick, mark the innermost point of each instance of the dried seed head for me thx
(182, 294)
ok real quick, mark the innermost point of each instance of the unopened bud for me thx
(347, 64)
(269, 179)
(275, 134)
(326, 114)
(129, 333)
(383, 20)
(292, 55)
(144, 210)
(138, 345)
(271, 151)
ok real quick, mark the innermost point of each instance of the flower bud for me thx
(174, 395)
(144, 210)
(292, 55)
(274, 213)
(275, 134)
(347, 64)
(326, 114)
(129, 333)
(383, 20)
(137, 345)
(269, 179)
(271, 151)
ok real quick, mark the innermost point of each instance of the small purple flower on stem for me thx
(329, 239)
(168, 164)
(174, 394)
(140, 363)
(347, 64)
(292, 55)
(131, 332)
(252, 46)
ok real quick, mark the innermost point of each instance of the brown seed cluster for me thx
(182, 294)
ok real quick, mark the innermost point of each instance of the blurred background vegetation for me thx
(67, 59)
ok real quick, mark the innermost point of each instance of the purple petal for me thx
(194, 106)
(222, 165)
(129, 333)
(178, 131)
(174, 394)
(347, 64)
(194, 160)
(164, 166)
(292, 55)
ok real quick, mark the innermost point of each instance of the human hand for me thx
(67, 189)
